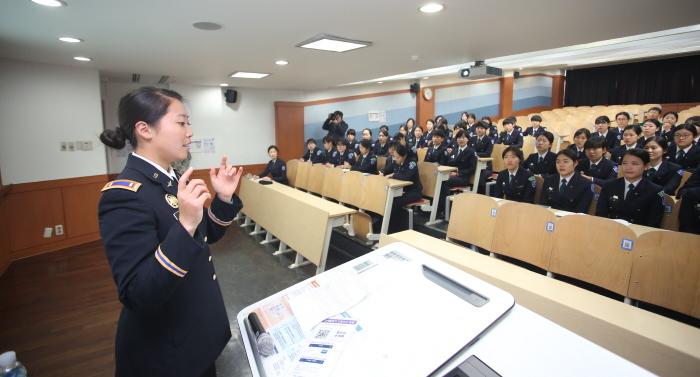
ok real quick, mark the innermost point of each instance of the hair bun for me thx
(113, 138)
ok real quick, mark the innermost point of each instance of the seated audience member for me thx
(535, 128)
(595, 167)
(350, 137)
(622, 119)
(612, 138)
(514, 182)
(694, 121)
(689, 214)
(662, 172)
(385, 128)
(650, 128)
(400, 138)
(632, 198)
(653, 113)
(342, 156)
(567, 190)
(418, 137)
(543, 162)
(367, 162)
(428, 135)
(313, 153)
(367, 135)
(436, 151)
(405, 170)
(510, 136)
(463, 157)
(381, 146)
(685, 152)
(668, 126)
(580, 137)
(410, 136)
(481, 143)
(329, 150)
(491, 129)
(275, 167)
(389, 166)
(630, 135)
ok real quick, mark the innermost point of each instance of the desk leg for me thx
(436, 199)
(338, 221)
(269, 238)
(481, 165)
(390, 195)
(298, 262)
(247, 222)
(283, 249)
(258, 230)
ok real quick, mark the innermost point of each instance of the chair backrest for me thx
(684, 179)
(303, 172)
(374, 191)
(381, 162)
(672, 208)
(528, 145)
(292, 167)
(538, 189)
(497, 164)
(666, 271)
(421, 152)
(473, 219)
(351, 190)
(525, 232)
(595, 250)
(333, 183)
(594, 202)
(316, 177)
(428, 172)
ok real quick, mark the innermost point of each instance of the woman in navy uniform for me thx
(482, 144)
(567, 190)
(405, 170)
(436, 151)
(390, 165)
(536, 129)
(313, 153)
(510, 136)
(597, 168)
(381, 146)
(543, 162)
(275, 167)
(580, 137)
(685, 152)
(630, 139)
(611, 136)
(662, 172)
(156, 232)
(341, 155)
(463, 157)
(632, 198)
(410, 136)
(367, 162)
(514, 182)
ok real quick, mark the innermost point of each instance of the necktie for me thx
(562, 187)
(680, 154)
(541, 159)
(594, 166)
(511, 179)
(651, 172)
(629, 191)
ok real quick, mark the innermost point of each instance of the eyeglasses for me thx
(681, 136)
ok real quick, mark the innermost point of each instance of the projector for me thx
(480, 71)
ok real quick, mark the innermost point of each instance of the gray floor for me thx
(248, 272)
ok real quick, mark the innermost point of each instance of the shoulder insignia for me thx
(373, 160)
(662, 193)
(284, 168)
(124, 184)
(318, 152)
(680, 172)
(619, 137)
(531, 178)
(615, 168)
(412, 165)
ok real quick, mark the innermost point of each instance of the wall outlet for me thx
(71, 146)
(87, 145)
(64, 146)
(47, 232)
(58, 229)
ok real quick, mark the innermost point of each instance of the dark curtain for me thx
(674, 80)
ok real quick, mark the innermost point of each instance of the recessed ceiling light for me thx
(249, 75)
(332, 43)
(204, 25)
(70, 40)
(281, 62)
(425, 78)
(50, 3)
(82, 59)
(432, 8)
(380, 82)
(223, 84)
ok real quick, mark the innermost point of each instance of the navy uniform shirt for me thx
(410, 138)
(515, 139)
(173, 320)
(464, 160)
(436, 153)
(426, 139)
(580, 154)
(316, 156)
(353, 145)
(366, 164)
(668, 175)
(337, 158)
(612, 138)
(687, 160)
(482, 146)
(520, 189)
(643, 205)
(389, 166)
(575, 196)
(408, 171)
(530, 131)
(546, 166)
(277, 169)
(617, 152)
(380, 150)
(602, 172)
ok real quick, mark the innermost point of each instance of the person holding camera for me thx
(335, 125)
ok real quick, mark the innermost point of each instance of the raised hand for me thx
(225, 180)
(191, 197)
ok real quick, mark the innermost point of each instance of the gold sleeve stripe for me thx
(168, 264)
(216, 220)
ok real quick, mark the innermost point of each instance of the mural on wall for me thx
(395, 109)
(481, 99)
(532, 91)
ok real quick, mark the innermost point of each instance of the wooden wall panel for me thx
(4, 234)
(424, 109)
(558, 91)
(29, 213)
(80, 209)
(505, 105)
(289, 129)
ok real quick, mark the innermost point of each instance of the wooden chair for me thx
(528, 145)
(473, 219)
(292, 167)
(316, 178)
(333, 184)
(421, 152)
(525, 232)
(302, 178)
(351, 190)
(666, 271)
(538, 189)
(381, 162)
(595, 250)
(594, 202)
(672, 207)
(686, 175)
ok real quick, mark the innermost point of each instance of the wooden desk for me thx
(659, 344)
(443, 174)
(393, 189)
(301, 220)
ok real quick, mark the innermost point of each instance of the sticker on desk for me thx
(317, 356)
(550, 226)
(627, 244)
(395, 255)
(493, 212)
(364, 266)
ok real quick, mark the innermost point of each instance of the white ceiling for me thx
(156, 37)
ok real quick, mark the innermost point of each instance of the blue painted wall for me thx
(532, 92)
(479, 98)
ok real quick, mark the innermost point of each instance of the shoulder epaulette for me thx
(124, 184)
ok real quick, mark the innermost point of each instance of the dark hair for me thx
(351, 132)
(536, 118)
(271, 147)
(658, 140)
(366, 144)
(549, 136)
(471, 115)
(623, 113)
(384, 132)
(461, 133)
(693, 120)
(439, 133)
(391, 144)
(633, 127)
(328, 139)
(584, 131)
(430, 120)
(690, 127)
(442, 122)
(602, 119)
(146, 104)
(483, 118)
(568, 153)
(654, 122)
(639, 153)
(481, 124)
(415, 129)
(342, 142)
(367, 129)
(461, 124)
(410, 119)
(311, 140)
(513, 149)
(338, 113)
(399, 136)
(383, 127)
(675, 114)
(655, 108)
(403, 127)
(508, 121)
(595, 143)
(401, 150)
(512, 119)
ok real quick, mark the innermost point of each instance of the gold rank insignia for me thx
(172, 200)
(124, 184)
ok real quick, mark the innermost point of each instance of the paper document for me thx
(319, 355)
